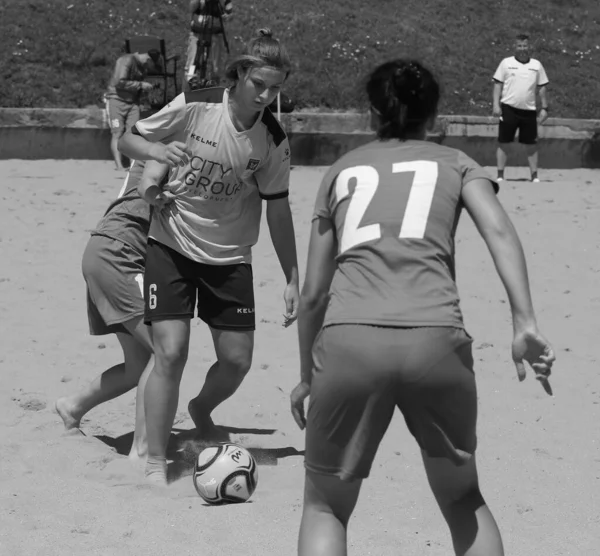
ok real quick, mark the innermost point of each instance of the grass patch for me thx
(59, 53)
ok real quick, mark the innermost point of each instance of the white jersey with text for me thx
(215, 218)
(520, 82)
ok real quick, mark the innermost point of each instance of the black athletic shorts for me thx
(172, 283)
(515, 119)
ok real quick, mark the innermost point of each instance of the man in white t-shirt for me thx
(517, 81)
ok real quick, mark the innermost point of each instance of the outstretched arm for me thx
(281, 228)
(320, 268)
(137, 147)
(502, 240)
(543, 115)
(496, 98)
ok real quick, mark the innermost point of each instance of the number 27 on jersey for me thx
(416, 213)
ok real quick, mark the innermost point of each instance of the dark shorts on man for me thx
(515, 119)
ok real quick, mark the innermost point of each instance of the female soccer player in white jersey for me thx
(230, 154)
(113, 268)
(380, 322)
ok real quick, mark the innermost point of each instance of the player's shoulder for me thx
(212, 95)
(377, 152)
(446, 153)
(362, 155)
(451, 158)
(273, 127)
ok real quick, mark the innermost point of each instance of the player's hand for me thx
(157, 197)
(291, 296)
(542, 116)
(497, 112)
(297, 397)
(147, 86)
(176, 153)
(163, 199)
(531, 346)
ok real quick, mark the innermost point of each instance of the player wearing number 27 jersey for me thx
(379, 321)
(395, 208)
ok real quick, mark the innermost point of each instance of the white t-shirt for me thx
(215, 218)
(520, 82)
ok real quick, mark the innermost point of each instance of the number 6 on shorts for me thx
(414, 221)
(152, 299)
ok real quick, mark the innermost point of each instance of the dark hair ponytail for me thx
(405, 95)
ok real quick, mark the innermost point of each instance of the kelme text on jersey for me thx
(203, 140)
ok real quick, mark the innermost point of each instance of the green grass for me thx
(59, 53)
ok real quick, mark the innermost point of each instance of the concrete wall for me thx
(316, 138)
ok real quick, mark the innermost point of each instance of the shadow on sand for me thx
(185, 445)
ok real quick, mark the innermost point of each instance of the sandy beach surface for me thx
(69, 494)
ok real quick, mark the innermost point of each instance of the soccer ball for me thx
(225, 473)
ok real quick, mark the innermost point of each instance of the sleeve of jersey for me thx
(470, 171)
(273, 177)
(168, 121)
(542, 77)
(499, 75)
(323, 200)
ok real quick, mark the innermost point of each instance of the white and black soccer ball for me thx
(225, 473)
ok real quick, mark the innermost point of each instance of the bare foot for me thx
(205, 426)
(67, 413)
(138, 458)
(156, 472)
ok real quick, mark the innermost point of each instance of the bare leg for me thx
(171, 344)
(72, 408)
(532, 158)
(189, 60)
(501, 159)
(139, 446)
(456, 489)
(110, 384)
(114, 140)
(234, 358)
(328, 505)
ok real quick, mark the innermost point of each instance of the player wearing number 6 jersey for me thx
(379, 320)
(231, 155)
(113, 268)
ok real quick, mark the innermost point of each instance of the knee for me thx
(532, 149)
(171, 357)
(470, 497)
(237, 361)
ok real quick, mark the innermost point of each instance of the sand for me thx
(60, 494)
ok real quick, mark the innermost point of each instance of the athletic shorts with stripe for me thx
(225, 293)
(362, 373)
(114, 274)
(121, 115)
